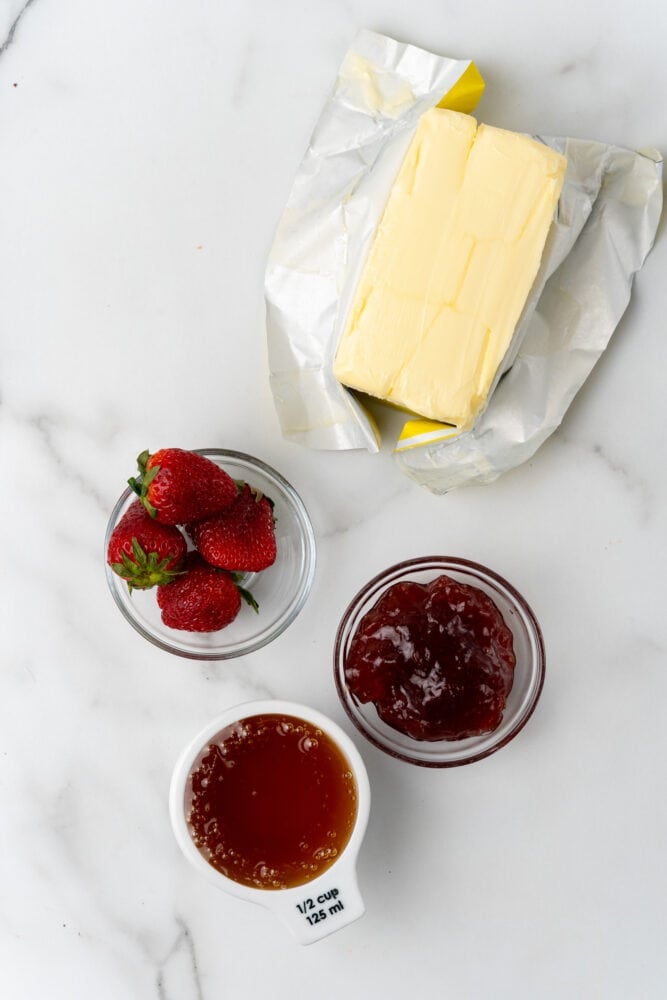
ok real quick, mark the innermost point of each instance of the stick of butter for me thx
(450, 268)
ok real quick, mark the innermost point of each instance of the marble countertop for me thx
(146, 153)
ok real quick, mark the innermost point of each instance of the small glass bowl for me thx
(281, 590)
(528, 673)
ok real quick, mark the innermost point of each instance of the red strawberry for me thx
(202, 599)
(144, 552)
(177, 486)
(241, 538)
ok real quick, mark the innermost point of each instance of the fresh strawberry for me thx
(143, 551)
(241, 538)
(202, 599)
(177, 486)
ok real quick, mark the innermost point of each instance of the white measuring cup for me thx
(327, 902)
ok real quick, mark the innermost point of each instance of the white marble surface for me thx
(146, 152)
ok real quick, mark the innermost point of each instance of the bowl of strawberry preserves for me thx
(210, 554)
(439, 661)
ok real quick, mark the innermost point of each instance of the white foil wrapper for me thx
(605, 224)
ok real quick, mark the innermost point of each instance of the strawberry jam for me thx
(437, 660)
(271, 801)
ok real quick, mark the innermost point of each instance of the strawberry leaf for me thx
(249, 599)
(139, 484)
(142, 461)
(144, 570)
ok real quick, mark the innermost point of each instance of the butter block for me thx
(450, 267)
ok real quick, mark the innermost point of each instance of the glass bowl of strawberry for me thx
(439, 661)
(209, 554)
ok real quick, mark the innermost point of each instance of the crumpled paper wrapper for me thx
(605, 225)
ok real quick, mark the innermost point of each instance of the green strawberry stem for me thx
(145, 569)
(140, 483)
(248, 598)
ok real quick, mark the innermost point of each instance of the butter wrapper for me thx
(606, 221)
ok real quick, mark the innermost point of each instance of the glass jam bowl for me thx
(280, 591)
(528, 671)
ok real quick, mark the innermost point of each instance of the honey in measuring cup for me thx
(271, 801)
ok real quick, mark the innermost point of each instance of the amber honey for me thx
(271, 801)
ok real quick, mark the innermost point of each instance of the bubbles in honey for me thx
(307, 743)
(281, 815)
(325, 853)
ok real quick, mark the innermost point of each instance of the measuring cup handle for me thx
(321, 907)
